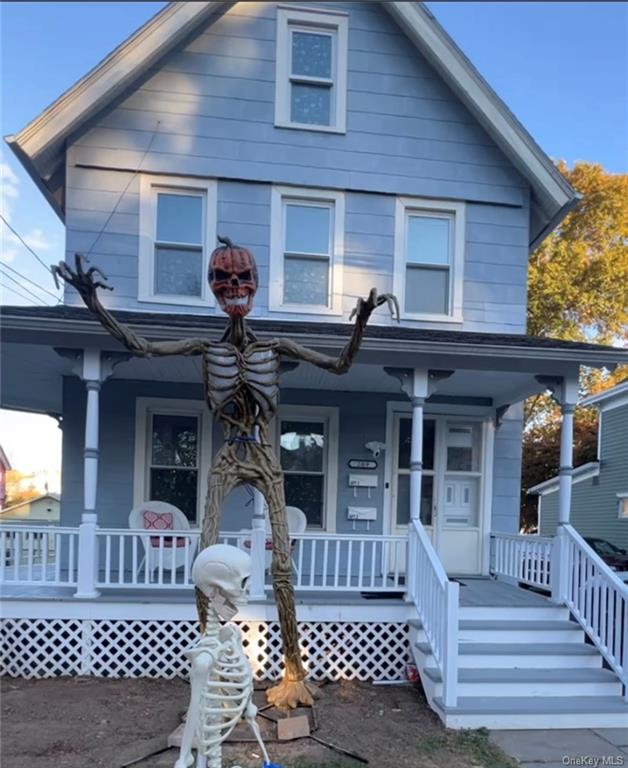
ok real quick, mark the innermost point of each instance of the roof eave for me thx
(35, 173)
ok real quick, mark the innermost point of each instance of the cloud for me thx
(9, 189)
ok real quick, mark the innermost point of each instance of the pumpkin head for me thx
(233, 278)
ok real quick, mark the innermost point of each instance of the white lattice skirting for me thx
(36, 648)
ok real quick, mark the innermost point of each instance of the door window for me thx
(462, 474)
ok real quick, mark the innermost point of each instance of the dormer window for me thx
(177, 234)
(429, 259)
(311, 75)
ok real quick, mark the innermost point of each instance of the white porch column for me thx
(258, 547)
(419, 393)
(87, 545)
(567, 398)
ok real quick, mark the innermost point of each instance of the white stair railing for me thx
(436, 600)
(526, 559)
(597, 599)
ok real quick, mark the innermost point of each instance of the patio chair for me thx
(161, 516)
(297, 523)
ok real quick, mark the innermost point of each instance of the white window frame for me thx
(313, 20)
(406, 206)
(329, 416)
(279, 197)
(145, 407)
(622, 499)
(150, 186)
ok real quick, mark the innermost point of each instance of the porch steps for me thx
(522, 668)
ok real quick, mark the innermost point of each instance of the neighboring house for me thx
(41, 509)
(599, 502)
(348, 145)
(5, 466)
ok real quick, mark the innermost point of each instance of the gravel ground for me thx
(101, 723)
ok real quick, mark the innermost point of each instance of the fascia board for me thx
(155, 330)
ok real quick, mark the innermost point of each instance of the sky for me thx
(562, 68)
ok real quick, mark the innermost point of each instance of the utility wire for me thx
(24, 288)
(15, 291)
(124, 191)
(28, 280)
(25, 244)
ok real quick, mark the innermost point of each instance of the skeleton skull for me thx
(233, 278)
(222, 572)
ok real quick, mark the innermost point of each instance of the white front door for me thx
(451, 487)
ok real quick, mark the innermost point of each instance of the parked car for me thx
(614, 557)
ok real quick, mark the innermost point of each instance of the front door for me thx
(451, 487)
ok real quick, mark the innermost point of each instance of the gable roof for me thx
(613, 397)
(19, 505)
(40, 146)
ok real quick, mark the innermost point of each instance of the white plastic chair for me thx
(173, 554)
(297, 523)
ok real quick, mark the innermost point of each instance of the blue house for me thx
(348, 146)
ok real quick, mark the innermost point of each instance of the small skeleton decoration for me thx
(221, 680)
(241, 377)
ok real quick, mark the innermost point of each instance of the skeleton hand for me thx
(365, 307)
(80, 279)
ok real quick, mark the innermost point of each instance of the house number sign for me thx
(362, 464)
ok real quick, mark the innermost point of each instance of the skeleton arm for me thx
(87, 286)
(202, 662)
(344, 361)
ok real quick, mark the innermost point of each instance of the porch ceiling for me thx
(32, 377)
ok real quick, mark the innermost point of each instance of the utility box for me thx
(362, 513)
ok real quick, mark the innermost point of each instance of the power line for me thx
(19, 274)
(15, 291)
(24, 288)
(124, 191)
(25, 244)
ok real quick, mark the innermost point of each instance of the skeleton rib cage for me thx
(242, 387)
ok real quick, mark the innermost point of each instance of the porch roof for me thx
(69, 319)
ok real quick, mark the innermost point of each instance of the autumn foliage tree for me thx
(577, 290)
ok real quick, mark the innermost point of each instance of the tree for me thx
(19, 488)
(578, 291)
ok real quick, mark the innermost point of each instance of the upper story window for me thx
(311, 76)
(429, 259)
(307, 244)
(177, 234)
(622, 505)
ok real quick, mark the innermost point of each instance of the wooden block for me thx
(293, 727)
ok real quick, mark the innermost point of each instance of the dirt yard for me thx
(81, 722)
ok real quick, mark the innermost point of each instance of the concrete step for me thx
(496, 682)
(526, 655)
(529, 712)
(502, 631)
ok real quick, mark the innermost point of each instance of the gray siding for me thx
(406, 134)
(594, 501)
(362, 417)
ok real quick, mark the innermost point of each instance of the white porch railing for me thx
(148, 559)
(525, 559)
(38, 555)
(336, 561)
(598, 600)
(436, 600)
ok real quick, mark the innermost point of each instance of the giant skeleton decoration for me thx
(221, 681)
(241, 377)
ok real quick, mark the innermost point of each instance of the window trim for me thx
(279, 195)
(325, 21)
(329, 415)
(145, 407)
(622, 498)
(150, 186)
(457, 210)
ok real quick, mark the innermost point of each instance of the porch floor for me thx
(485, 592)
